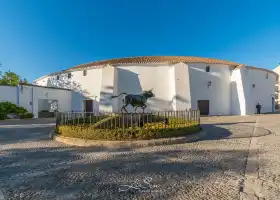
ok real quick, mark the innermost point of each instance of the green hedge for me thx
(9, 108)
(3, 116)
(148, 131)
(26, 116)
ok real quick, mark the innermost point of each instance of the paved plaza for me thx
(239, 159)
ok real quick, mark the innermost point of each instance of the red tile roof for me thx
(155, 60)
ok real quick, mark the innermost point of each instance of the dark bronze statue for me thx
(136, 100)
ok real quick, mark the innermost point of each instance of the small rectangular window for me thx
(207, 69)
(57, 77)
(266, 76)
(69, 75)
(85, 72)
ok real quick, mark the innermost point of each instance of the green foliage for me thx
(26, 115)
(87, 131)
(9, 108)
(12, 79)
(126, 127)
(3, 115)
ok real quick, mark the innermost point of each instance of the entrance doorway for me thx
(273, 104)
(203, 106)
(88, 105)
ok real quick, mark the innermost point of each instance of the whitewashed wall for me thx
(42, 81)
(107, 89)
(245, 97)
(218, 93)
(22, 96)
(238, 89)
(277, 70)
(87, 87)
(176, 87)
(8, 93)
(182, 88)
(26, 98)
(264, 90)
(62, 96)
(134, 79)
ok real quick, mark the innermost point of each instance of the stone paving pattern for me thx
(34, 167)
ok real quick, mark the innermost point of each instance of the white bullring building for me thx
(216, 87)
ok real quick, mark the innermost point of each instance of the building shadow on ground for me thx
(219, 131)
(98, 173)
(83, 173)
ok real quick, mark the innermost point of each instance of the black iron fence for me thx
(106, 120)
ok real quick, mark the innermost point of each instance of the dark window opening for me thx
(57, 77)
(207, 69)
(85, 72)
(69, 75)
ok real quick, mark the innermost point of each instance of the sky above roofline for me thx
(41, 37)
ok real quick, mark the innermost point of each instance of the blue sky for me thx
(40, 37)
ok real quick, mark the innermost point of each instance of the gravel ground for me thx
(34, 167)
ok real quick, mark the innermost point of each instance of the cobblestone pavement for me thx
(34, 167)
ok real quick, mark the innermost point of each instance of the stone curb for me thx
(51, 132)
(1, 195)
(129, 144)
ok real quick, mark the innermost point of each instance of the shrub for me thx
(3, 115)
(86, 131)
(21, 110)
(8, 107)
(29, 115)
(26, 115)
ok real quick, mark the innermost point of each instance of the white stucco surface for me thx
(22, 96)
(176, 86)
(218, 93)
(8, 93)
(277, 89)
(137, 78)
(262, 92)
(181, 87)
(238, 101)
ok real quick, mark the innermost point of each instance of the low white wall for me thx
(8, 93)
(25, 98)
(64, 98)
(28, 97)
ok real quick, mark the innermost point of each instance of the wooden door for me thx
(89, 105)
(203, 106)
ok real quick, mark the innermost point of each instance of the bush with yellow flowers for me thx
(109, 129)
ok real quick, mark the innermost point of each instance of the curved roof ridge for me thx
(154, 60)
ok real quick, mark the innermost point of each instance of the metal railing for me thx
(154, 120)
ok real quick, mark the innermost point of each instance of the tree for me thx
(11, 78)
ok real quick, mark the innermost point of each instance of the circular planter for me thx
(128, 144)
